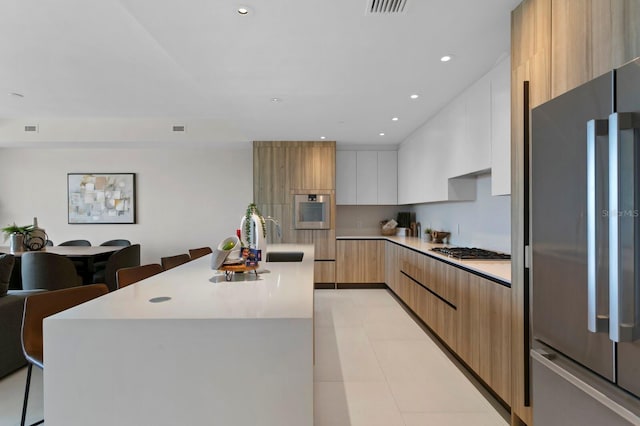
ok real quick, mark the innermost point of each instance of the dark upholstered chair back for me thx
(49, 271)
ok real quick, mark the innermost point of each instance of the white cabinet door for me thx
(367, 177)
(345, 177)
(477, 145)
(388, 177)
(501, 128)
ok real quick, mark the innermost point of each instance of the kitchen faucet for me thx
(278, 227)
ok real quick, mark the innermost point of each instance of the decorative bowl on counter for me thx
(440, 236)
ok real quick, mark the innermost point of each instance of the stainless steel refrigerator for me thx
(585, 253)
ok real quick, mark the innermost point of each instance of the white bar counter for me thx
(217, 352)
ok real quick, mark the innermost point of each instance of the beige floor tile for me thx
(437, 396)
(453, 419)
(409, 359)
(11, 394)
(355, 404)
(345, 354)
(371, 297)
(333, 310)
(389, 323)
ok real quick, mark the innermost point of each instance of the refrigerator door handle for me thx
(624, 232)
(598, 317)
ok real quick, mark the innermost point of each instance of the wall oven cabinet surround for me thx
(366, 177)
(284, 169)
(312, 211)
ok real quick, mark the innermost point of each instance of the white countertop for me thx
(198, 292)
(498, 269)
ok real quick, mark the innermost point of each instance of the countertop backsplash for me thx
(484, 222)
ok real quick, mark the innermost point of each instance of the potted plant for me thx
(16, 235)
(254, 230)
(427, 235)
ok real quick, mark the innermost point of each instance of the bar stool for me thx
(173, 261)
(36, 308)
(199, 252)
(127, 276)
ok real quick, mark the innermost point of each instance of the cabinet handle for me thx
(597, 150)
(624, 233)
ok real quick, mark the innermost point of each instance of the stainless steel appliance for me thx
(471, 253)
(312, 211)
(585, 245)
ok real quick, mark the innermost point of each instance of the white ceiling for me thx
(340, 72)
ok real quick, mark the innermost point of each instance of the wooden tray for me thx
(229, 270)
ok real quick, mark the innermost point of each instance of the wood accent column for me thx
(282, 169)
(530, 61)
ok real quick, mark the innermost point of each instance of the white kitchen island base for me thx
(240, 353)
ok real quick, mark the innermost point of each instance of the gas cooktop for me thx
(466, 253)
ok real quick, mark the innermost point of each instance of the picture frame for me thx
(100, 198)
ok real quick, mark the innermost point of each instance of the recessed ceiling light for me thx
(394, 119)
(381, 134)
(16, 94)
(243, 10)
(446, 58)
(276, 100)
(414, 96)
(323, 137)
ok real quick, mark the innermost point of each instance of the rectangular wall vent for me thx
(179, 129)
(31, 129)
(377, 7)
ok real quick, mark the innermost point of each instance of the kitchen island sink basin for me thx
(285, 256)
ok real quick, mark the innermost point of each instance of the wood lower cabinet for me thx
(360, 261)
(484, 331)
(471, 314)
(324, 271)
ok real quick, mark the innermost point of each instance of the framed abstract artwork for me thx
(101, 197)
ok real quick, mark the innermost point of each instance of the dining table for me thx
(88, 255)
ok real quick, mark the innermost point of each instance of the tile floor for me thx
(374, 366)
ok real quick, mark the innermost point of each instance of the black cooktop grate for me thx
(466, 253)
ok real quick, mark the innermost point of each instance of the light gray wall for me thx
(484, 222)
(363, 220)
(186, 198)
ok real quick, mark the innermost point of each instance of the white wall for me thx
(186, 198)
(484, 222)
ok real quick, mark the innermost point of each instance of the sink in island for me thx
(186, 347)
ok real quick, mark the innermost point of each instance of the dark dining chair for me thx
(127, 276)
(199, 252)
(36, 308)
(48, 243)
(82, 243)
(123, 258)
(6, 268)
(122, 243)
(48, 271)
(173, 261)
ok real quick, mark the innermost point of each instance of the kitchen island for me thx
(186, 347)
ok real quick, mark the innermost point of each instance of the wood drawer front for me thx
(360, 261)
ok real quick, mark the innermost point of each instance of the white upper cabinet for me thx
(388, 177)
(345, 177)
(470, 135)
(366, 177)
(501, 128)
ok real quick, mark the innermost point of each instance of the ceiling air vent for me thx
(179, 129)
(31, 129)
(376, 7)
